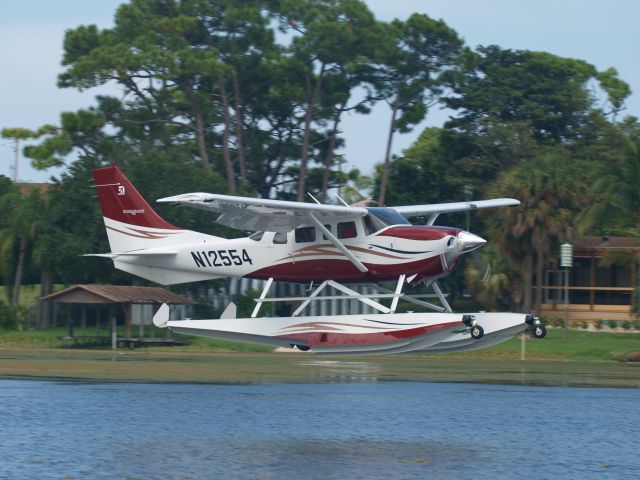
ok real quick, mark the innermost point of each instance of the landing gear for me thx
(540, 331)
(477, 332)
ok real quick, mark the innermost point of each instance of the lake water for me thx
(400, 430)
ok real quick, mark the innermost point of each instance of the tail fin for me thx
(120, 201)
(130, 221)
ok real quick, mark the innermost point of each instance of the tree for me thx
(17, 237)
(330, 36)
(550, 92)
(411, 72)
(615, 194)
(551, 193)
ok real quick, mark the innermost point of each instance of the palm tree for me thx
(551, 195)
(616, 194)
(20, 227)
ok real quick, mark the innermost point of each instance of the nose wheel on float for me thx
(538, 329)
(476, 331)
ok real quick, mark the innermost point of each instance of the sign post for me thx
(566, 261)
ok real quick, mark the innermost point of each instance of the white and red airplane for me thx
(303, 243)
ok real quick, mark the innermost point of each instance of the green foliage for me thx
(487, 278)
(612, 324)
(615, 193)
(8, 316)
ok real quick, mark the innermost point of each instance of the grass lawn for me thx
(581, 345)
(595, 346)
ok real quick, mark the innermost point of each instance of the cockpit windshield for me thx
(380, 217)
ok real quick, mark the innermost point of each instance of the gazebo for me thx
(125, 296)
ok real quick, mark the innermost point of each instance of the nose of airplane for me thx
(469, 241)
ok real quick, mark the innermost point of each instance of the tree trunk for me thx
(328, 163)
(527, 275)
(539, 280)
(200, 135)
(387, 157)
(302, 178)
(44, 307)
(17, 281)
(239, 126)
(225, 138)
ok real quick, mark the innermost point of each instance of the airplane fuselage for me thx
(303, 255)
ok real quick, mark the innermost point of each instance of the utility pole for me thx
(16, 161)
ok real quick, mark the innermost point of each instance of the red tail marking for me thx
(119, 200)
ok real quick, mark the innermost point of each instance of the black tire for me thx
(477, 332)
(540, 331)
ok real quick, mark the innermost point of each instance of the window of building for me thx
(347, 230)
(305, 234)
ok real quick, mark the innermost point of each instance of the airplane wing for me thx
(255, 214)
(433, 210)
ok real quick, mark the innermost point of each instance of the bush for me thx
(636, 324)
(633, 357)
(585, 325)
(626, 324)
(557, 322)
(613, 324)
(598, 323)
(8, 316)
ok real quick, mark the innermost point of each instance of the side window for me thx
(256, 237)
(347, 230)
(305, 234)
(280, 238)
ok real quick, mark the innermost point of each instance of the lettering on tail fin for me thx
(120, 201)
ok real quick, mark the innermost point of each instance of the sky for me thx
(601, 32)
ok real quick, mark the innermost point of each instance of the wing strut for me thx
(338, 244)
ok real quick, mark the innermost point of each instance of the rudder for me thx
(120, 201)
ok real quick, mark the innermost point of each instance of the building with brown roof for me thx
(602, 280)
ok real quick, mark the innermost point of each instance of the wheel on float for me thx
(540, 331)
(477, 332)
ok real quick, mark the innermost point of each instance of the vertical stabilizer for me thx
(130, 221)
(120, 201)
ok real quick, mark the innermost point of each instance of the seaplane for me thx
(329, 247)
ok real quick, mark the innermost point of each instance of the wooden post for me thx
(83, 320)
(114, 333)
(127, 315)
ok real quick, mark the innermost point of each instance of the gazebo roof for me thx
(602, 245)
(116, 294)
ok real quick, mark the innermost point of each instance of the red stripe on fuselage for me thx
(418, 233)
(304, 271)
(378, 338)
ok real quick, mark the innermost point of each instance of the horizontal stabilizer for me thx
(133, 253)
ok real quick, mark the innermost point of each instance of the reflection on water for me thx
(341, 371)
(398, 430)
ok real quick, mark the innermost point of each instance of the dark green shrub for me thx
(613, 324)
(598, 323)
(626, 324)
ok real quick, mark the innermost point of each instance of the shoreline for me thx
(154, 366)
